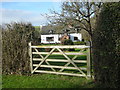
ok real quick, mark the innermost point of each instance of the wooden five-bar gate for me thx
(42, 61)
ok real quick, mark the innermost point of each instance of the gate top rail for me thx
(61, 46)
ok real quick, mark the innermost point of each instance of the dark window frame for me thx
(49, 39)
(75, 38)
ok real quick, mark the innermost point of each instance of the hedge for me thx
(106, 46)
(15, 58)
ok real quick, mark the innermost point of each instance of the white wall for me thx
(72, 35)
(56, 38)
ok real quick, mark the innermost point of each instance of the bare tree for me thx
(80, 15)
(77, 15)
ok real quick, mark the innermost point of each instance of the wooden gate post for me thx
(88, 63)
(30, 54)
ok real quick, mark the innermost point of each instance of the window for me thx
(59, 38)
(75, 38)
(49, 38)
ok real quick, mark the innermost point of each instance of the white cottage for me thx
(55, 38)
(50, 38)
(76, 37)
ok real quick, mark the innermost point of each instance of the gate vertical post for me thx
(88, 63)
(30, 54)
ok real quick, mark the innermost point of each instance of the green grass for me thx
(45, 81)
(62, 57)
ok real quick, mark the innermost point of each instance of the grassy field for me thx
(45, 81)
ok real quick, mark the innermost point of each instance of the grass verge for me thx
(45, 81)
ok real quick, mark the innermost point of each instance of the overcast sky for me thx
(27, 11)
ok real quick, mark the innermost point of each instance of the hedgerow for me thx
(15, 38)
(106, 46)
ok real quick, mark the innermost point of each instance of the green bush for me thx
(79, 43)
(106, 46)
(15, 38)
(67, 42)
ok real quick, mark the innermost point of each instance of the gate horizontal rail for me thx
(40, 61)
(60, 60)
(62, 46)
(58, 53)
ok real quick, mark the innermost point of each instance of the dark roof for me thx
(51, 33)
(53, 30)
(46, 29)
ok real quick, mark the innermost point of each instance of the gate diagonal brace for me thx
(43, 60)
(68, 63)
(71, 62)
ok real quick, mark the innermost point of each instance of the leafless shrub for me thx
(15, 58)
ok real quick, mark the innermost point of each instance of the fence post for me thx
(88, 63)
(30, 54)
